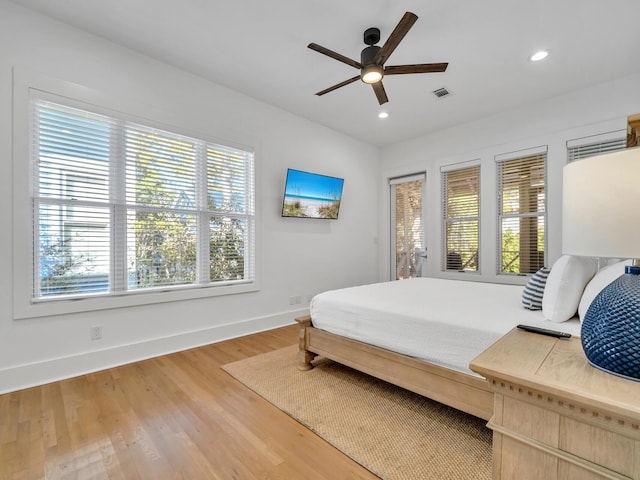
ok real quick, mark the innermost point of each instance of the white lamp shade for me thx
(601, 206)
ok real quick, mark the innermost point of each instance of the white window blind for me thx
(461, 218)
(591, 146)
(121, 207)
(521, 213)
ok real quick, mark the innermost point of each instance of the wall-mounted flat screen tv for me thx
(311, 195)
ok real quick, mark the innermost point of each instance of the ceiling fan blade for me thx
(416, 68)
(403, 27)
(334, 55)
(341, 84)
(378, 88)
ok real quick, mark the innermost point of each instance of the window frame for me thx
(28, 86)
(447, 220)
(500, 161)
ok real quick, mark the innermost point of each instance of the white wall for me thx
(296, 256)
(599, 109)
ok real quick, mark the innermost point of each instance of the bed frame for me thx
(461, 391)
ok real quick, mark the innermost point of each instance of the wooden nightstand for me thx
(556, 416)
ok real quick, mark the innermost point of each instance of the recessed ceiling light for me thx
(383, 115)
(540, 55)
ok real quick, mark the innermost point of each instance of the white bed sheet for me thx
(445, 322)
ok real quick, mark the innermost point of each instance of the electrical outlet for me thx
(295, 300)
(96, 332)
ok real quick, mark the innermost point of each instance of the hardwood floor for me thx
(178, 416)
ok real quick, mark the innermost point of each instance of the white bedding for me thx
(445, 322)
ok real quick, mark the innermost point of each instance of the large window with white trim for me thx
(121, 207)
(521, 211)
(461, 217)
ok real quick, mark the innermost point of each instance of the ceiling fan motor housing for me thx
(371, 72)
(368, 54)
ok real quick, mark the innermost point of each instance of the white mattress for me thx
(446, 322)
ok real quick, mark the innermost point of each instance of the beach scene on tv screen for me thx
(311, 195)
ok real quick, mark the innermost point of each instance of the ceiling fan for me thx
(373, 58)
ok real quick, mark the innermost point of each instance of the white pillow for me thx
(603, 278)
(565, 284)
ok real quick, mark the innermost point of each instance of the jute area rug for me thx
(392, 432)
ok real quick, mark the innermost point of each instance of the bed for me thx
(419, 334)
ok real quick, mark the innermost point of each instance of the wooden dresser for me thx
(556, 416)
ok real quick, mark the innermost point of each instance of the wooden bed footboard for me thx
(464, 392)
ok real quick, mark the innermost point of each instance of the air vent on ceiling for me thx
(441, 92)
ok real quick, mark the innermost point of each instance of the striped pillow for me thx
(534, 289)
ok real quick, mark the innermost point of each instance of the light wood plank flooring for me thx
(177, 416)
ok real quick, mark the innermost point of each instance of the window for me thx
(521, 211)
(461, 218)
(120, 207)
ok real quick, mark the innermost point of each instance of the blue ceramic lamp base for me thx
(611, 328)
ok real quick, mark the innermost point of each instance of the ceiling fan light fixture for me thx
(371, 74)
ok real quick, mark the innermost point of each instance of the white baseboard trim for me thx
(43, 372)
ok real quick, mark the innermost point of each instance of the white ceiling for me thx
(259, 47)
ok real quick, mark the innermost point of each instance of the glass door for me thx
(409, 254)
